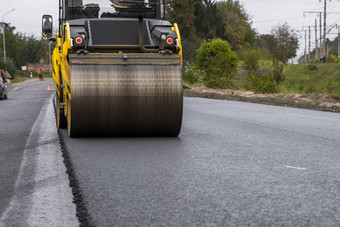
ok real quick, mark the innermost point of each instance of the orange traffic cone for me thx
(48, 88)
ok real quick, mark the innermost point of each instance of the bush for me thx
(251, 61)
(311, 66)
(10, 66)
(278, 71)
(191, 75)
(333, 59)
(217, 62)
(262, 83)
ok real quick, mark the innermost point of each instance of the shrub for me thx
(262, 83)
(333, 59)
(251, 61)
(278, 71)
(10, 66)
(217, 62)
(311, 66)
(191, 75)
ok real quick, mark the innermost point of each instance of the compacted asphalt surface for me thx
(34, 186)
(233, 164)
(17, 117)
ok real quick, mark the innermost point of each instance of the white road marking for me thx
(42, 187)
(297, 168)
(24, 86)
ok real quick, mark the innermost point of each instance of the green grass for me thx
(299, 79)
(21, 76)
(266, 64)
(326, 79)
(18, 80)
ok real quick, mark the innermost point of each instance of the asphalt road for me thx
(234, 164)
(34, 186)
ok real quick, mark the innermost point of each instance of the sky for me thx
(265, 14)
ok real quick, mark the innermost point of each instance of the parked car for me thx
(3, 88)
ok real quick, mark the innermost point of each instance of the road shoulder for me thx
(42, 194)
(320, 102)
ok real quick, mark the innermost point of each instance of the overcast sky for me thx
(265, 13)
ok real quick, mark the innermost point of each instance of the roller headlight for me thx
(170, 40)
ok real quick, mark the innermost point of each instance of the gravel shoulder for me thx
(314, 101)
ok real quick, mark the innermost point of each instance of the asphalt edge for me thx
(78, 198)
(261, 100)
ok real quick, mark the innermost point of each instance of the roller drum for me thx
(125, 100)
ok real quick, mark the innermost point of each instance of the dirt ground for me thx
(314, 101)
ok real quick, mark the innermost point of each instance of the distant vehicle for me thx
(3, 88)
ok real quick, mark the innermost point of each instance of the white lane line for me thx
(24, 86)
(297, 168)
(42, 193)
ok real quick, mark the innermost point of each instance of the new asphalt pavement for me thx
(34, 186)
(234, 164)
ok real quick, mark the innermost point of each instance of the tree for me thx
(217, 62)
(283, 43)
(182, 12)
(208, 20)
(251, 61)
(237, 29)
(23, 49)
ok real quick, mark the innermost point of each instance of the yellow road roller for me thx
(116, 68)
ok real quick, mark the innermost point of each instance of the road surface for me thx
(34, 186)
(233, 164)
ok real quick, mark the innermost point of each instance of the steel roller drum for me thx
(125, 100)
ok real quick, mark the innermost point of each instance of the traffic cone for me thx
(48, 88)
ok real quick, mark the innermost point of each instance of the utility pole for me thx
(320, 14)
(306, 46)
(325, 53)
(316, 40)
(338, 41)
(324, 32)
(308, 51)
(4, 31)
(309, 54)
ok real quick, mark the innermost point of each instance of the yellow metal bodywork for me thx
(176, 29)
(61, 67)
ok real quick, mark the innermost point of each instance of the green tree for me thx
(283, 43)
(10, 66)
(182, 12)
(217, 62)
(208, 20)
(237, 29)
(23, 49)
(251, 61)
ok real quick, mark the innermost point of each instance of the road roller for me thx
(116, 68)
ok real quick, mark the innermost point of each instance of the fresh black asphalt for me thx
(17, 116)
(234, 164)
(34, 186)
